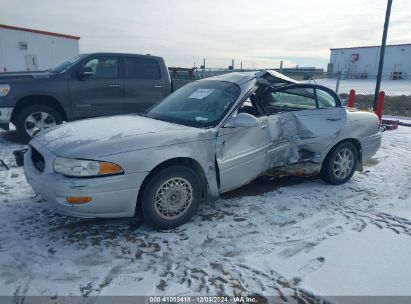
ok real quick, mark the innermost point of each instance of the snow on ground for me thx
(278, 237)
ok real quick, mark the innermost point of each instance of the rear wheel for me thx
(339, 165)
(171, 197)
(34, 119)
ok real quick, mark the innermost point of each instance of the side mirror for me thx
(85, 72)
(242, 120)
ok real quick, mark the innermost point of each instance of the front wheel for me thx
(34, 119)
(171, 197)
(339, 165)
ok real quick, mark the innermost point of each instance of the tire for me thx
(174, 184)
(35, 118)
(340, 164)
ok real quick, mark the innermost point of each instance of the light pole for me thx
(382, 53)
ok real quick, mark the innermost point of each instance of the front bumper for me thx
(5, 115)
(112, 196)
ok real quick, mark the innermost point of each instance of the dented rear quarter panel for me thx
(365, 128)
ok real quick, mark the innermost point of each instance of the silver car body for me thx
(295, 142)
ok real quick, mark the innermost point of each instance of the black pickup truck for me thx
(88, 85)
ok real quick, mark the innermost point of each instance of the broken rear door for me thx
(304, 120)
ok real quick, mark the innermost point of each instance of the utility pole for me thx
(382, 53)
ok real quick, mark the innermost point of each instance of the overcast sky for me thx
(258, 33)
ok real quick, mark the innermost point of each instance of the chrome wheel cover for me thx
(343, 163)
(37, 122)
(173, 198)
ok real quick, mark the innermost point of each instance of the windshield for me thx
(198, 104)
(65, 65)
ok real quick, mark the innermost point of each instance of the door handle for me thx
(113, 85)
(157, 86)
(333, 118)
(264, 127)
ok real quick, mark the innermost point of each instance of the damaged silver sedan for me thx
(207, 138)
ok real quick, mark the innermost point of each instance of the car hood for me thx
(104, 136)
(24, 75)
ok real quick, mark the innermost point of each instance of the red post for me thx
(351, 99)
(380, 105)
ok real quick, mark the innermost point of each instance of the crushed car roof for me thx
(242, 77)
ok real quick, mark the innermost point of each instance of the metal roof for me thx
(235, 77)
(242, 77)
(23, 29)
(370, 46)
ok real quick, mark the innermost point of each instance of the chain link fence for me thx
(397, 92)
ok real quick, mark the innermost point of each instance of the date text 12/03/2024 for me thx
(201, 299)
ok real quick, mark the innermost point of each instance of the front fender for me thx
(203, 152)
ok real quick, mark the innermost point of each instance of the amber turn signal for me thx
(78, 200)
(109, 168)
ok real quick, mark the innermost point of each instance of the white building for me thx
(362, 62)
(23, 49)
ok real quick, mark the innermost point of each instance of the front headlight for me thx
(84, 168)
(4, 89)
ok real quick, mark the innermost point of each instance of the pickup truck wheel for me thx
(171, 197)
(34, 119)
(339, 165)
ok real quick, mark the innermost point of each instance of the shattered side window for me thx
(291, 99)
